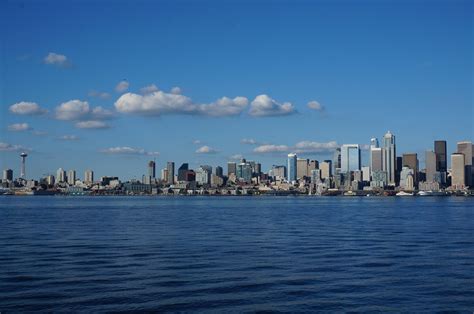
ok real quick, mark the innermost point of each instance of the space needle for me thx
(23, 162)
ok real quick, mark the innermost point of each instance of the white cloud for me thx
(264, 149)
(263, 106)
(5, 147)
(149, 89)
(176, 90)
(236, 157)
(126, 150)
(68, 138)
(18, 127)
(92, 124)
(315, 147)
(197, 142)
(224, 107)
(72, 110)
(101, 95)
(57, 60)
(249, 141)
(315, 105)
(206, 150)
(75, 110)
(158, 103)
(121, 86)
(27, 108)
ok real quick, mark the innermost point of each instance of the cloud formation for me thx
(176, 90)
(92, 124)
(18, 127)
(206, 150)
(27, 108)
(263, 106)
(159, 103)
(57, 60)
(300, 148)
(249, 141)
(6, 147)
(74, 110)
(121, 86)
(68, 138)
(126, 150)
(149, 89)
(100, 95)
(269, 148)
(315, 105)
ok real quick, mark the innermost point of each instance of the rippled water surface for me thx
(295, 254)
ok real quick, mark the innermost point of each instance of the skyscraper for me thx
(61, 175)
(350, 157)
(326, 169)
(182, 172)
(231, 168)
(292, 166)
(23, 165)
(71, 177)
(219, 171)
(152, 169)
(374, 145)
(430, 164)
(301, 168)
(457, 171)
(89, 176)
(337, 159)
(388, 157)
(441, 156)
(375, 159)
(466, 148)
(410, 160)
(7, 175)
(170, 168)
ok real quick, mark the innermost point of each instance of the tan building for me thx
(302, 168)
(466, 148)
(457, 171)
(325, 169)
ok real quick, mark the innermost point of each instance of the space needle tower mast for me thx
(23, 162)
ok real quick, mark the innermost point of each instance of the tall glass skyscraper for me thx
(389, 157)
(350, 157)
(292, 167)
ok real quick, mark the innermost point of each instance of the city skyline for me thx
(262, 85)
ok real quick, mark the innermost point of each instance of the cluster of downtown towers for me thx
(344, 171)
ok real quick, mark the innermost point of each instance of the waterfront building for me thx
(88, 176)
(326, 169)
(50, 180)
(350, 157)
(406, 179)
(164, 175)
(379, 179)
(170, 168)
(61, 175)
(410, 160)
(278, 172)
(258, 168)
(301, 168)
(203, 175)
(71, 177)
(366, 174)
(292, 166)
(152, 169)
(8, 175)
(388, 157)
(231, 168)
(458, 171)
(466, 148)
(217, 180)
(315, 176)
(376, 159)
(430, 165)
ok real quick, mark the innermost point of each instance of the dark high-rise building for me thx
(170, 168)
(337, 159)
(152, 169)
(231, 168)
(399, 163)
(441, 156)
(182, 172)
(410, 160)
(219, 171)
(430, 163)
(8, 175)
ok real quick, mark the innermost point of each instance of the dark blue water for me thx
(236, 254)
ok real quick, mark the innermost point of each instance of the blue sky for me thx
(366, 67)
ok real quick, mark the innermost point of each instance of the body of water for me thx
(297, 254)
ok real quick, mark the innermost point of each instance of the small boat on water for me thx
(431, 193)
(403, 193)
